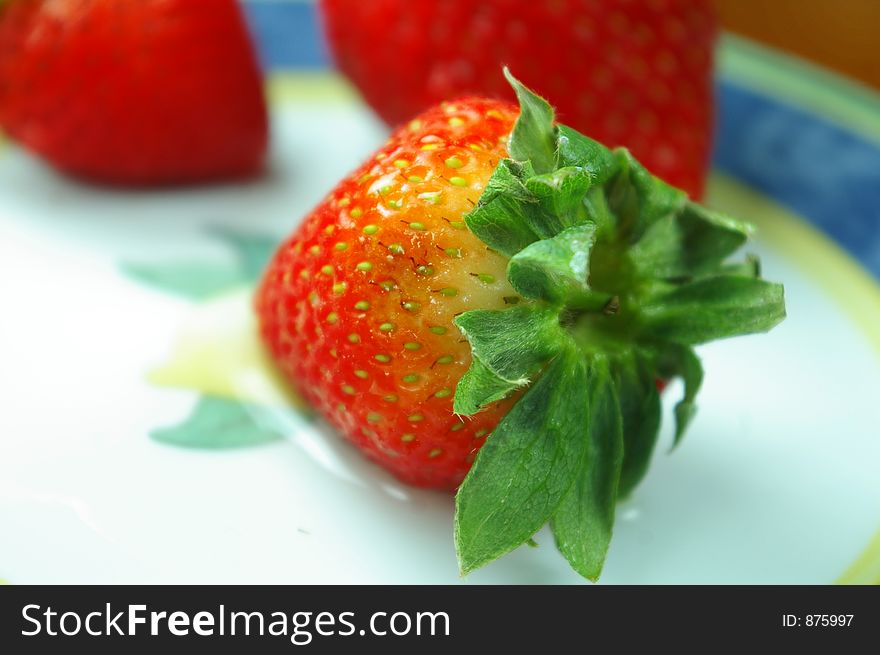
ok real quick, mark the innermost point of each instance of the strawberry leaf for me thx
(534, 136)
(575, 149)
(583, 522)
(636, 382)
(638, 198)
(560, 194)
(676, 360)
(689, 242)
(478, 387)
(513, 343)
(557, 269)
(504, 215)
(712, 308)
(750, 267)
(526, 468)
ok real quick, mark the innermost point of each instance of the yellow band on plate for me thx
(839, 275)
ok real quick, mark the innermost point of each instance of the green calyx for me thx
(621, 275)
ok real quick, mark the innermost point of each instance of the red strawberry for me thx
(636, 73)
(141, 93)
(466, 291)
(358, 306)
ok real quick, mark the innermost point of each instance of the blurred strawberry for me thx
(636, 73)
(141, 93)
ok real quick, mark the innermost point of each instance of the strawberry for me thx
(635, 73)
(358, 306)
(492, 284)
(136, 93)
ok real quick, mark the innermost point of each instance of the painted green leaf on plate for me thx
(218, 423)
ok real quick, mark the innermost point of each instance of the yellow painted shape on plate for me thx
(866, 569)
(219, 353)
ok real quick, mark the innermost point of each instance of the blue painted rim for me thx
(820, 170)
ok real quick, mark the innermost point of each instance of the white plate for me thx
(776, 482)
